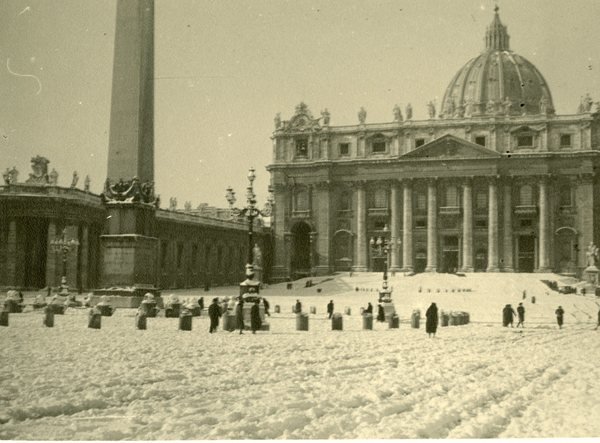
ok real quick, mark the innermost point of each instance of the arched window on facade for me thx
(526, 195)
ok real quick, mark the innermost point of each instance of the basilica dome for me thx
(497, 82)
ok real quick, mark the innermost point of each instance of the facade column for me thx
(280, 270)
(508, 231)
(493, 227)
(407, 226)
(322, 242)
(83, 257)
(467, 246)
(431, 227)
(51, 256)
(11, 254)
(544, 265)
(395, 216)
(360, 260)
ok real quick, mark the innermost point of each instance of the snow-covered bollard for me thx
(140, 320)
(415, 319)
(172, 307)
(337, 322)
(49, 316)
(95, 318)
(277, 309)
(313, 309)
(533, 299)
(148, 306)
(301, 322)
(185, 320)
(104, 307)
(4, 317)
(444, 318)
(347, 310)
(367, 320)
(394, 321)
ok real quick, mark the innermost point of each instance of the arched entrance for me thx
(301, 250)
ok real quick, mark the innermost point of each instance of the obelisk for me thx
(129, 247)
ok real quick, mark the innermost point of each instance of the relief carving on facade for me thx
(131, 191)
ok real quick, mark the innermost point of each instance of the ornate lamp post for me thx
(250, 211)
(381, 248)
(61, 244)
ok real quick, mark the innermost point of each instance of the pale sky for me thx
(224, 68)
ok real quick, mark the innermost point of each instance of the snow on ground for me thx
(473, 381)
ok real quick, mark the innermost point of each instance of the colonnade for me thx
(404, 248)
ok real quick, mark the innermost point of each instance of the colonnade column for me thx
(467, 247)
(51, 256)
(508, 231)
(360, 262)
(544, 265)
(280, 270)
(11, 254)
(407, 225)
(493, 227)
(431, 227)
(393, 265)
(83, 256)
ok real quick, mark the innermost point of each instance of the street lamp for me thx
(61, 244)
(250, 211)
(381, 247)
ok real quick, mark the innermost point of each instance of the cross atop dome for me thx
(496, 37)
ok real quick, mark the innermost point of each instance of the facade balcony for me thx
(378, 211)
(449, 210)
(525, 210)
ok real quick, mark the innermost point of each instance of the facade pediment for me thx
(451, 147)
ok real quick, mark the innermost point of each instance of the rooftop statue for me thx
(431, 109)
(75, 179)
(40, 170)
(397, 114)
(362, 115)
(409, 112)
(326, 116)
(86, 184)
(53, 177)
(277, 120)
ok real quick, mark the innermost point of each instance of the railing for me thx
(50, 191)
(449, 210)
(526, 210)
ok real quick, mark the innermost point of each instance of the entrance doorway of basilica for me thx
(566, 250)
(300, 262)
(449, 254)
(526, 258)
(420, 261)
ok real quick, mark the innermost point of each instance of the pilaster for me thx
(11, 253)
(51, 261)
(507, 228)
(544, 265)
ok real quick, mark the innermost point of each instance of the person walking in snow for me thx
(560, 313)
(255, 321)
(267, 306)
(201, 303)
(239, 315)
(508, 315)
(369, 309)
(521, 314)
(298, 308)
(598, 321)
(214, 312)
(432, 320)
(330, 308)
(380, 313)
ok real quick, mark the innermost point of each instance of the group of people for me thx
(508, 315)
(215, 311)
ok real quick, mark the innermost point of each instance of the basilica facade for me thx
(495, 181)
